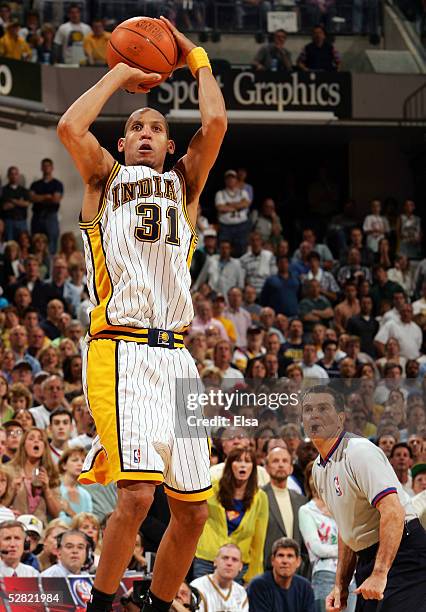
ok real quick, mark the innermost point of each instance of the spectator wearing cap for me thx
(347, 308)
(12, 45)
(18, 339)
(250, 304)
(53, 398)
(328, 285)
(232, 204)
(258, 263)
(364, 325)
(235, 312)
(281, 290)
(221, 272)
(202, 254)
(314, 308)
(204, 319)
(319, 55)
(401, 459)
(254, 348)
(219, 304)
(34, 528)
(14, 432)
(22, 373)
(408, 334)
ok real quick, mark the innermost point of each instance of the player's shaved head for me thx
(137, 114)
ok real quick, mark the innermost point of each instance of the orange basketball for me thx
(145, 43)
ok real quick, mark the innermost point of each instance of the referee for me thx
(379, 532)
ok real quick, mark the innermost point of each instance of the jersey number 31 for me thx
(150, 230)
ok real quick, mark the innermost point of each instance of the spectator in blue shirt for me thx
(280, 290)
(281, 589)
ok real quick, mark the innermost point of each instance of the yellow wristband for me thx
(196, 59)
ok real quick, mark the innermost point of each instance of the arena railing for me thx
(228, 16)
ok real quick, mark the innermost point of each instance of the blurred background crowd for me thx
(279, 305)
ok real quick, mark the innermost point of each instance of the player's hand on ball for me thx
(336, 600)
(185, 45)
(134, 80)
(373, 587)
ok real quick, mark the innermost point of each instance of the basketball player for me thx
(138, 223)
(379, 532)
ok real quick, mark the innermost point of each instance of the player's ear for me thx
(171, 147)
(120, 144)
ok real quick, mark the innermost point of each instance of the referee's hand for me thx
(336, 600)
(373, 587)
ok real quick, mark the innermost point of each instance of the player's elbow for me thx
(63, 129)
(217, 124)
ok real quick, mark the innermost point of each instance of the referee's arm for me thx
(338, 598)
(392, 518)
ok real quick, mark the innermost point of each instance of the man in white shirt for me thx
(60, 421)
(419, 306)
(232, 204)
(222, 357)
(408, 334)
(53, 398)
(310, 369)
(258, 263)
(221, 272)
(72, 553)
(69, 37)
(238, 315)
(219, 591)
(12, 540)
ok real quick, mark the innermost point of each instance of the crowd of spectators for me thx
(345, 307)
(32, 36)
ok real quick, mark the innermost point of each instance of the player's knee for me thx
(134, 501)
(194, 517)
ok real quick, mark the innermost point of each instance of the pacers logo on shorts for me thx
(163, 338)
(137, 455)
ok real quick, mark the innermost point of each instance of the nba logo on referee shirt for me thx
(137, 455)
(163, 338)
(337, 486)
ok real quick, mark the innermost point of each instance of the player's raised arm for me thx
(205, 145)
(93, 162)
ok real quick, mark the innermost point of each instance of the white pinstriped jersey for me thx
(213, 599)
(138, 251)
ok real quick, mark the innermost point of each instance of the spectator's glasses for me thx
(14, 433)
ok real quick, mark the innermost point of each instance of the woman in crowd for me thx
(49, 553)
(386, 441)
(50, 360)
(75, 498)
(77, 272)
(395, 413)
(68, 246)
(384, 254)
(392, 354)
(238, 513)
(319, 531)
(25, 418)
(66, 349)
(89, 524)
(8, 361)
(40, 249)
(72, 374)
(6, 495)
(24, 241)
(6, 410)
(255, 376)
(36, 479)
(13, 264)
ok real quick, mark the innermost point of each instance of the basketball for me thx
(145, 43)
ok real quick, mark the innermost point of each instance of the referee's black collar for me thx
(323, 462)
